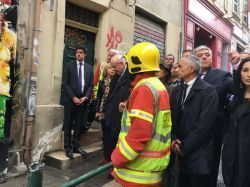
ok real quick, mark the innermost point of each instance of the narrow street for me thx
(54, 177)
(160, 87)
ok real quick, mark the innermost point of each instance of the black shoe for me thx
(69, 154)
(79, 150)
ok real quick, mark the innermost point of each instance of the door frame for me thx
(81, 26)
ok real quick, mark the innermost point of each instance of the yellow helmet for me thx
(143, 57)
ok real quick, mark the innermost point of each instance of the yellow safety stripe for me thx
(125, 129)
(126, 150)
(142, 115)
(140, 177)
(95, 89)
(156, 136)
(124, 117)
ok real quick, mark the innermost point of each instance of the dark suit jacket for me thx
(193, 126)
(71, 78)
(119, 93)
(235, 153)
(222, 81)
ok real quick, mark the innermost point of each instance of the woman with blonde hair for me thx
(102, 94)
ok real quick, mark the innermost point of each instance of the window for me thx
(236, 6)
(245, 12)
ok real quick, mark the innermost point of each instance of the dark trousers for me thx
(73, 119)
(188, 180)
(113, 141)
(171, 173)
(106, 141)
(219, 131)
(8, 114)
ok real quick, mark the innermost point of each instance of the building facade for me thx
(49, 31)
(237, 12)
(222, 25)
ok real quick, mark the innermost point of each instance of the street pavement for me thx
(53, 177)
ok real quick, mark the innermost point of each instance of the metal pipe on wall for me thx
(31, 99)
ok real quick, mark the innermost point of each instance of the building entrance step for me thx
(58, 159)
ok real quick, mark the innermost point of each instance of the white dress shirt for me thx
(190, 84)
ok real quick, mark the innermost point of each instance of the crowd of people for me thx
(164, 123)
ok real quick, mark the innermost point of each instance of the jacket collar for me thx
(141, 76)
(197, 86)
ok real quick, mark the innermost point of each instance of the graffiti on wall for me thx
(73, 37)
(114, 38)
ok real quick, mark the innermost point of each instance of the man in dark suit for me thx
(120, 93)
(78, 86)
(222, 81)
(193, 107)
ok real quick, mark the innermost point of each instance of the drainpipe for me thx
(32, 84)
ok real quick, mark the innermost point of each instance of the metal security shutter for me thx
(148, 30)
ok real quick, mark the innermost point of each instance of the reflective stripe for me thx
(161, 137)
(156, 136)
(155, 154)
(140, 177)
(142, 114)
(124, 127)
(95, 89)
(102, 66)
(156, 98)
(127, 151)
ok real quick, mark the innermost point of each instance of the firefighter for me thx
(143, 149)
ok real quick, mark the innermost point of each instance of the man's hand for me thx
(234, 58)
(175, 146)
(83, 100)
(76, 101)
(122, 106)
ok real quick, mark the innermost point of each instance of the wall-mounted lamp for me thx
(131, 5)
(210, 36)
(51, 5)
(197, 28)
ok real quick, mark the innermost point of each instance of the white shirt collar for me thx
(123, 71)
(78, 62)
(190, 83)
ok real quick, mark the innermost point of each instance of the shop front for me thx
(204, 25)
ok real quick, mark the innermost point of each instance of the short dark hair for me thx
(82, 48)
(170, 55)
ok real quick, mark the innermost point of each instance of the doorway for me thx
(74, 37)
(202, 37)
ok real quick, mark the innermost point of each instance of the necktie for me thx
(183, 96)
(80, 77)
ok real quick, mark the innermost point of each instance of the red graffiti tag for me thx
(113, 39)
